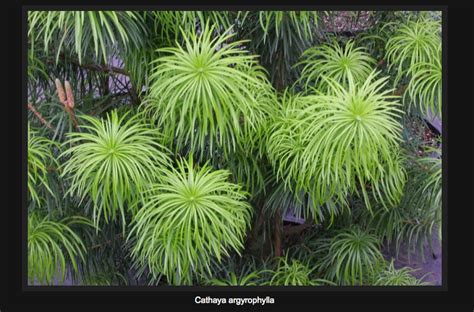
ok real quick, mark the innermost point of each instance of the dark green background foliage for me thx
(170, 147)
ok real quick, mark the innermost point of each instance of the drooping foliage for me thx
(279, 37)
(398, 277)
(86, 34)
(203, 93)
(426, 85)
(192, 216)
(294, 273)
(413, 222)
(335, 62)
(50, 243)
(414, 42)
(232, 148)
(112, 162)
(40, 156)
(352, 257)
(345, 139)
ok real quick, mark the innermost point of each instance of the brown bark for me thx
(400, 90)
(94, 67)
(39, 116)
(277, 234)
(258, 224)
(105, 69)
(117, 236)
(291, 230)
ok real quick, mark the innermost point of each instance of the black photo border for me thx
(456, 285)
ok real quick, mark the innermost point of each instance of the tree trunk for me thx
(277, 234)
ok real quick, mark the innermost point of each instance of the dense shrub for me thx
(186, 146)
